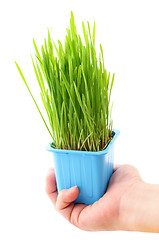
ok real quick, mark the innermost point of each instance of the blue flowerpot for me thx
(89, 171)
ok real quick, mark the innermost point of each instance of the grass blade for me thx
(21, 74)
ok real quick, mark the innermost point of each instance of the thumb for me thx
(66, 196)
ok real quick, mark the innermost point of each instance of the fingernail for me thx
(72, 189)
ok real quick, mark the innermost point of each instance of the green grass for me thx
(75, 90)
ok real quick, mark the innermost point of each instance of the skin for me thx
(129, 204)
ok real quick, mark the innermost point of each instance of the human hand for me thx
(122, 207)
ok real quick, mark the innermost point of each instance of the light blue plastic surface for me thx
(89, 171)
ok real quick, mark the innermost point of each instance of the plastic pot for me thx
(89, 171)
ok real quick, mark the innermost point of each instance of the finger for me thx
(66, 196)
(51, 188)
(98, 216)
(67, 208)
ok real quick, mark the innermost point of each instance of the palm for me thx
(103, 214)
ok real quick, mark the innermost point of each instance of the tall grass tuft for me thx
(75, 90)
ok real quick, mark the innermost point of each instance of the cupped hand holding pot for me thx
(129, 203)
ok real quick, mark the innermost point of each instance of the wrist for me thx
(140, 209)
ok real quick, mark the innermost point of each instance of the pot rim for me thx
(66, 151)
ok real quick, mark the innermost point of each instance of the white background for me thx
(129, 33)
